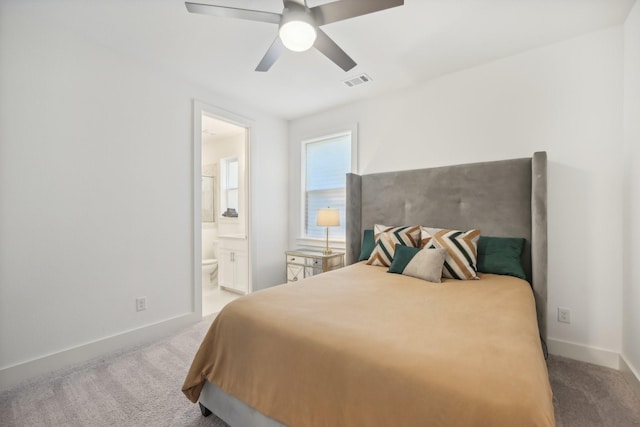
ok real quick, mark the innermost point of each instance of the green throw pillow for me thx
(368, 243)
(425, 264)
(501, 255)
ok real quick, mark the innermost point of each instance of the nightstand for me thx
(303, 263)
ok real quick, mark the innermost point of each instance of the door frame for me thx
(200, 108)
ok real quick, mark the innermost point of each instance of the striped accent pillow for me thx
(462, 250)
(386, 238)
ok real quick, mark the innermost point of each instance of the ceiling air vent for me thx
(362, 78)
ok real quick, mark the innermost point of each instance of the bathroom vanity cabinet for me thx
(233, 264)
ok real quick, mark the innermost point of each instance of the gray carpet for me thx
(141, 387)
(586, 395)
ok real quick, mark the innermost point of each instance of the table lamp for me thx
(328, 217)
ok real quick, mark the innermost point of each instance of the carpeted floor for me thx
(141, 387)
(586, 395)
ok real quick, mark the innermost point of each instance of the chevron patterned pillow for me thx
(387, 238)
(462, 250)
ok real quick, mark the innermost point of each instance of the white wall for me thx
(565, 98)
(631, 292)
(96, 188)
(269, 193)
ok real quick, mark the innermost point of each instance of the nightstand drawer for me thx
(299, 259)
(310, 262)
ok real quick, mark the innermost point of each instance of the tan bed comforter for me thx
(362, 347)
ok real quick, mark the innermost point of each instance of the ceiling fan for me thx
(300, 25)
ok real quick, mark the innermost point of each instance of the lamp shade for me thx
(328, 217)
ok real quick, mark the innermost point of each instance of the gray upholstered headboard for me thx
(506, 198)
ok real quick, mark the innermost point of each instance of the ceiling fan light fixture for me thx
(297, 32)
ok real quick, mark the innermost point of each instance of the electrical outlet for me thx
(564, 315)
(141, 303)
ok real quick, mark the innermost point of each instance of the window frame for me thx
(302, 238)
(224, 185)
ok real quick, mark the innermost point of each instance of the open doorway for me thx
(224, 209)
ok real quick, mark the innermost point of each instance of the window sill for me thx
(320, 243)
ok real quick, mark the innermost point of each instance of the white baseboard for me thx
(583, 353)
(16, 374)
(631, 374)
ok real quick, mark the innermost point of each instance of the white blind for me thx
(327, 161)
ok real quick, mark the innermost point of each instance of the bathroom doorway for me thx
(224, 209)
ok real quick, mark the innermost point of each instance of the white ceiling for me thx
(217, 129)
(397, 47)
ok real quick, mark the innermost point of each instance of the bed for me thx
(360, 346)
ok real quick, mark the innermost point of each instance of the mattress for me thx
(362, 347)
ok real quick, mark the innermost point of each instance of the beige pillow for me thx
(425, 264)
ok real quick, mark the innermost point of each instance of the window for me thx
(229, 187)
(325, 163)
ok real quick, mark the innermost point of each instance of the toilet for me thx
(209, 273)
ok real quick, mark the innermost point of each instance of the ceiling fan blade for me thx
(331, 50)
(233, 12)
(345, 9)
(274, 52)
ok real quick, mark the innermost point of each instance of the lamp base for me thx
(327, 251)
